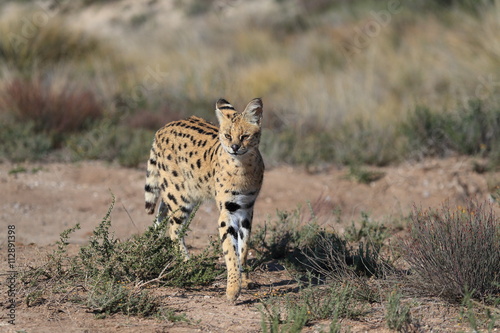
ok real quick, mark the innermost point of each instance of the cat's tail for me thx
(152, 187)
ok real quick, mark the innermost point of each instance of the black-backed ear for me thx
(224, 110)
(253, 111)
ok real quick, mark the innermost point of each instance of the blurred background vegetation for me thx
(343, 81)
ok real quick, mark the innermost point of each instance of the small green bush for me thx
(397, 316)
(114, 272)
(293, 312)
(108, 297)
(368, 231)
(148, 256)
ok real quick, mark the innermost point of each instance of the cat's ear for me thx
(253, 111)
(224, 110)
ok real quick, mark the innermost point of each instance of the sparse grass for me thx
(293, 312)
(339, 277)
(397, 316)
(455, 251)
(345, 275)
(336, 283)
(290, 235)
(479, 315)
(299, 240)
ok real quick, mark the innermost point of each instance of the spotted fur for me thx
(192, 160)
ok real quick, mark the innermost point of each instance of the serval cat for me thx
(192, 160)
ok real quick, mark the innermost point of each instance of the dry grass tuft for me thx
(455, 251)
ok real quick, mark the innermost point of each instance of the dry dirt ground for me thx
(45, 199)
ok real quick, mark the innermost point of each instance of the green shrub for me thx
(148, 256)
(293, 312)
(114, 272)
(469, 131)
(397, 316)
(352, 143)
(369, 232)
(455, 250)
(20, 142)
(109, 297)
(108, 140)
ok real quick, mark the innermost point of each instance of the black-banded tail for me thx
(152, 187)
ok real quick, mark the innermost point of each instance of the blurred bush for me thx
(27, 45)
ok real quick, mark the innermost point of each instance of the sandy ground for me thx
(46, 199)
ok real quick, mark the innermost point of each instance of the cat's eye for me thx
(244, 137)
(228, 136)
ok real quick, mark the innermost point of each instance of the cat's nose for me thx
(235, 148)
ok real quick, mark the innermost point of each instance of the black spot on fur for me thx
(172, 198)
(232, 206)
(246, 224)
(232, 231)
